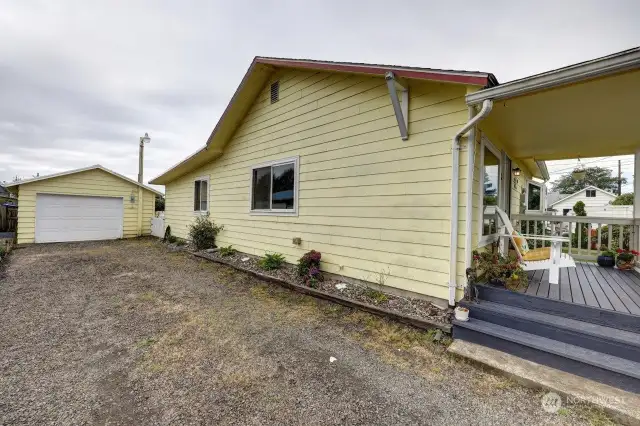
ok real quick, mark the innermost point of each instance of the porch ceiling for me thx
(593, 118)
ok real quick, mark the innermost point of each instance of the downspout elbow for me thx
(487, 105)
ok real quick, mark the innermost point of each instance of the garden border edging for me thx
(405, 319)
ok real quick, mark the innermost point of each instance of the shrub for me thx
(203, 233)
(167, 233)
(271, 261)
(3, 252)
(179, 241)
(172, 239)
(227, 251)
(309, 268)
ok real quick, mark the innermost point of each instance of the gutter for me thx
(487, 105)
(616, 63)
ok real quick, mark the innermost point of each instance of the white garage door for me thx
(77, 218)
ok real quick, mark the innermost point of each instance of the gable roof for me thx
(84, 169)
(566, 197)
(261, 70)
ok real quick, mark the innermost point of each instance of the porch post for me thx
(635, 244)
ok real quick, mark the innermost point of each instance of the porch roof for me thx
(584, 110)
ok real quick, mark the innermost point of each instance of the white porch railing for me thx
(586, 234)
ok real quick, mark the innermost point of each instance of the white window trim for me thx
(542, 197)
(205, 179)
(296, 179)
(484, 240)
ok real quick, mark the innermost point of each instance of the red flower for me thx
(619, 250)
(635, 252)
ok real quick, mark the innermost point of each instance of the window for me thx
(591, 193)
(275, 91)
(274, 187)
(201, 194)
(535, 195)
(565, 212)
(490, 189)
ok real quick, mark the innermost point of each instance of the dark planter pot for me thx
(606, 261)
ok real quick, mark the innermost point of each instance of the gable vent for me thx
(275, 91)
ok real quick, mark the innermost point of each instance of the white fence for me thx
(157, 227)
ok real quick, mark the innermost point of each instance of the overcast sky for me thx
(81, 81)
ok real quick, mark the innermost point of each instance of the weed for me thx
(227, 251)
(171, 238)
(180, 242)
(271, 261)
(563, 411)
(377, 296)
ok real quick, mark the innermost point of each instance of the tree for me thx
(623, 200)
(578, 209)
(596, 176)
(159, 203)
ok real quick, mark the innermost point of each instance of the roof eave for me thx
(612, 64)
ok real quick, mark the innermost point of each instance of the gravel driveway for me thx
(126, 332)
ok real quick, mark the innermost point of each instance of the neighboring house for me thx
(597, 203)
(315, 150)
(92, 203)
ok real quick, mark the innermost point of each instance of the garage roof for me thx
(84, 169)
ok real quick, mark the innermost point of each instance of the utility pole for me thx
(144, 139)
(619, 178)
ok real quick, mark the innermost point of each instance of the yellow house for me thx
(92, 203)
(368, 164)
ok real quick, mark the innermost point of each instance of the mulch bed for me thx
(383, 302)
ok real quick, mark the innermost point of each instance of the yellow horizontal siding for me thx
(368, 201)
(90, 183)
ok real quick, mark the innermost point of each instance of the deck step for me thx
(612, 341)
(605, 368)
(605, 317)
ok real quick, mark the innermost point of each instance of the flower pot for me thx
(625, 265)
(462, 314)
(606, 261)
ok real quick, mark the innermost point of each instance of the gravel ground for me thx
(288, 272)
(127, 332)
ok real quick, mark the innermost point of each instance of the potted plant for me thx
(626, 259)
(607, 258)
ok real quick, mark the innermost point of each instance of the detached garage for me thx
(93, 203)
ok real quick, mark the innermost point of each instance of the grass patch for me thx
(147, 296)
(146, 342)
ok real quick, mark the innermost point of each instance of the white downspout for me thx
(486, 109)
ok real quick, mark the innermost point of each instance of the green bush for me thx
(271, 261)
(203, 233)
(167, 234)
(227, 251)
(179, 242)
(3, 252)
(172, 239)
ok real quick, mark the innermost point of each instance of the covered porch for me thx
(581, 111)
(587, 324)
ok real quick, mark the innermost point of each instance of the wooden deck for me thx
(588, 284)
